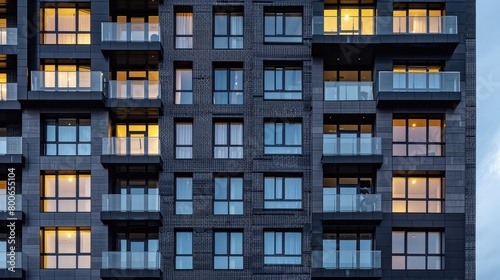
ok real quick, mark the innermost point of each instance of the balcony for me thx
(129, 265)
(131, 151)
(347, 264)
(121, 207)
(13, 266)
(8, 41)
(351, 206)
(11, 151)
(131, 36)
(12, 207)
(347, 150)
(348, 91)
(8, 97)
(413, 89)
(385, 30)
(58, 87)
(134, 94)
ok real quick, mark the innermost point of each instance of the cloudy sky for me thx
(488, 139)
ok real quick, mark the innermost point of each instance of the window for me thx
(184, 84)
(65, 191)
(135, 83)
(184, 196)
(419, 18)
(228, 86)
(282, 137)
(65, 248)
(67, 137)
(283, 27)
(348, 138)
(228, 250)
(417, 78)
(184, 29)
(417, 250)
(65, 23)
(228, 28)
(282, 247)
(418, 194)
(183, 140)
(349, 19)
(228, 140)
(184, 250)
(349, 250)
(283, 83)
(282, 192)
(418, 136)
(138, 138)
(59, 76)
(341, 85)
(228, 196)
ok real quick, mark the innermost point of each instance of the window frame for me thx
(56, 6)
(57, 142)
(427, 143)
(228, 253)
(57, 254)
(426, 254)
(283, 92)
(228, 128)
(283, 146)
(180, 93)
(228, 91)
(183, 201)
(282, 38)
(183, 146)
(57, 198)
(228, 199)
(181, 255)
(188, 12)
(283, 242)
(428, 200)
(229, 12)
(283, 199)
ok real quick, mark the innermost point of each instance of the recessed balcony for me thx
(13, 265)
(134, 94)
(131, 265)
(131, 36)
(351, 206)
(11, 151)
(348, 91)
(352, 150)
(414, 89)
(8, 40)
(8, 97)
(60, 87)
(131, 151)
(347, 264)
(122, 207)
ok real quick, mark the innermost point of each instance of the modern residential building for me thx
(242, 139)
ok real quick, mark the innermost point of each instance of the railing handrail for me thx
(130, 202)
(67, 81)
(342, 259)
(11, 145)
(407, 81)
(131, 260)
(151, 32)
(351, 202)
(419, 73)
(123, 146)
(335, 145)
(146, 93)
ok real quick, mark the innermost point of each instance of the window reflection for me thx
(65, 25)
(65, 248)
(65, 191)
(418, 136)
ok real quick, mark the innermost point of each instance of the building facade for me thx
(193, 139)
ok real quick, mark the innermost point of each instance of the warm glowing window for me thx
(184, 28)
(418, 194)
(66, 24)
(65, 191)
(65, 248)
(418, 136)
(418, 18)
(348, 19)
(137, 138)
(66, 76)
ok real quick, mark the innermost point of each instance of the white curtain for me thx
(236, 140)
(184, 137)
(184, 29)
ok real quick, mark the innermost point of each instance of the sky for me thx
(488, 140)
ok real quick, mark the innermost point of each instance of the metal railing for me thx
(8, 91)
(131, 260)
(12, 203)
(17, 260)
(419, 82)
(333, 202)
(131, 202)
(347, 259)
(134, 89)
(11, 145)
(339, 146)
(124, 146)
(384, 25)
(74, 81)
(130, 32)
(8, 36)
(341, 91)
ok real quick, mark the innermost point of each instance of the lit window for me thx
(65, 248)
(65, 191)
(184, 30)
(418, 137)
(63, 24)
(417, 194)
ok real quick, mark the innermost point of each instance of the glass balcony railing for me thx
(347, 259)
(131, 202)
(345, 146)
(67, 81)
(130, 32)
(12, 202)
(342, 91)
(131, 146)
(131, 260)
(17, 260)
(140, 89)
(8, 36)
(333, 202)
(384, 25)
(8, 91)
(419, 82)
(11, 145)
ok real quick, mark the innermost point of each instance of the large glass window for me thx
(228, 140)
(283, 26)
(282, 192)
(418, 136)
(417, 78)
(64, 76)
(183, 140)
(417, 250)
(65, 23)
(65, 191)
(282, 137)
(228, 196)
(184, 250)
(184, 29)
(184, 85)
(418, 18)
(283, 83)
(282, 247)
(228, 86)
(138, 138)
(356, 17)
(184, 195)
(418, 193)
(228, 28)
(348, 250)
(67, 137)
(65, 248)
(228, 250)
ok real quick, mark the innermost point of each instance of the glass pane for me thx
(184, 188)
(67, 185)
(236, 189)
(399, 206)
(85, 241)
(184, 243)
(236, 243)
(398, 242)
(399, 130)
(66, 241)
(415, 262)
(417, 206)
(415, 243)
(417, 187)
(293, 25)
(220, 240)
(398, 187)
(417, 130)
(434, 243)
(49, 241)
(220, 23)
(398, 262)
(435, 131)
(221, 188)
(435, 187)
